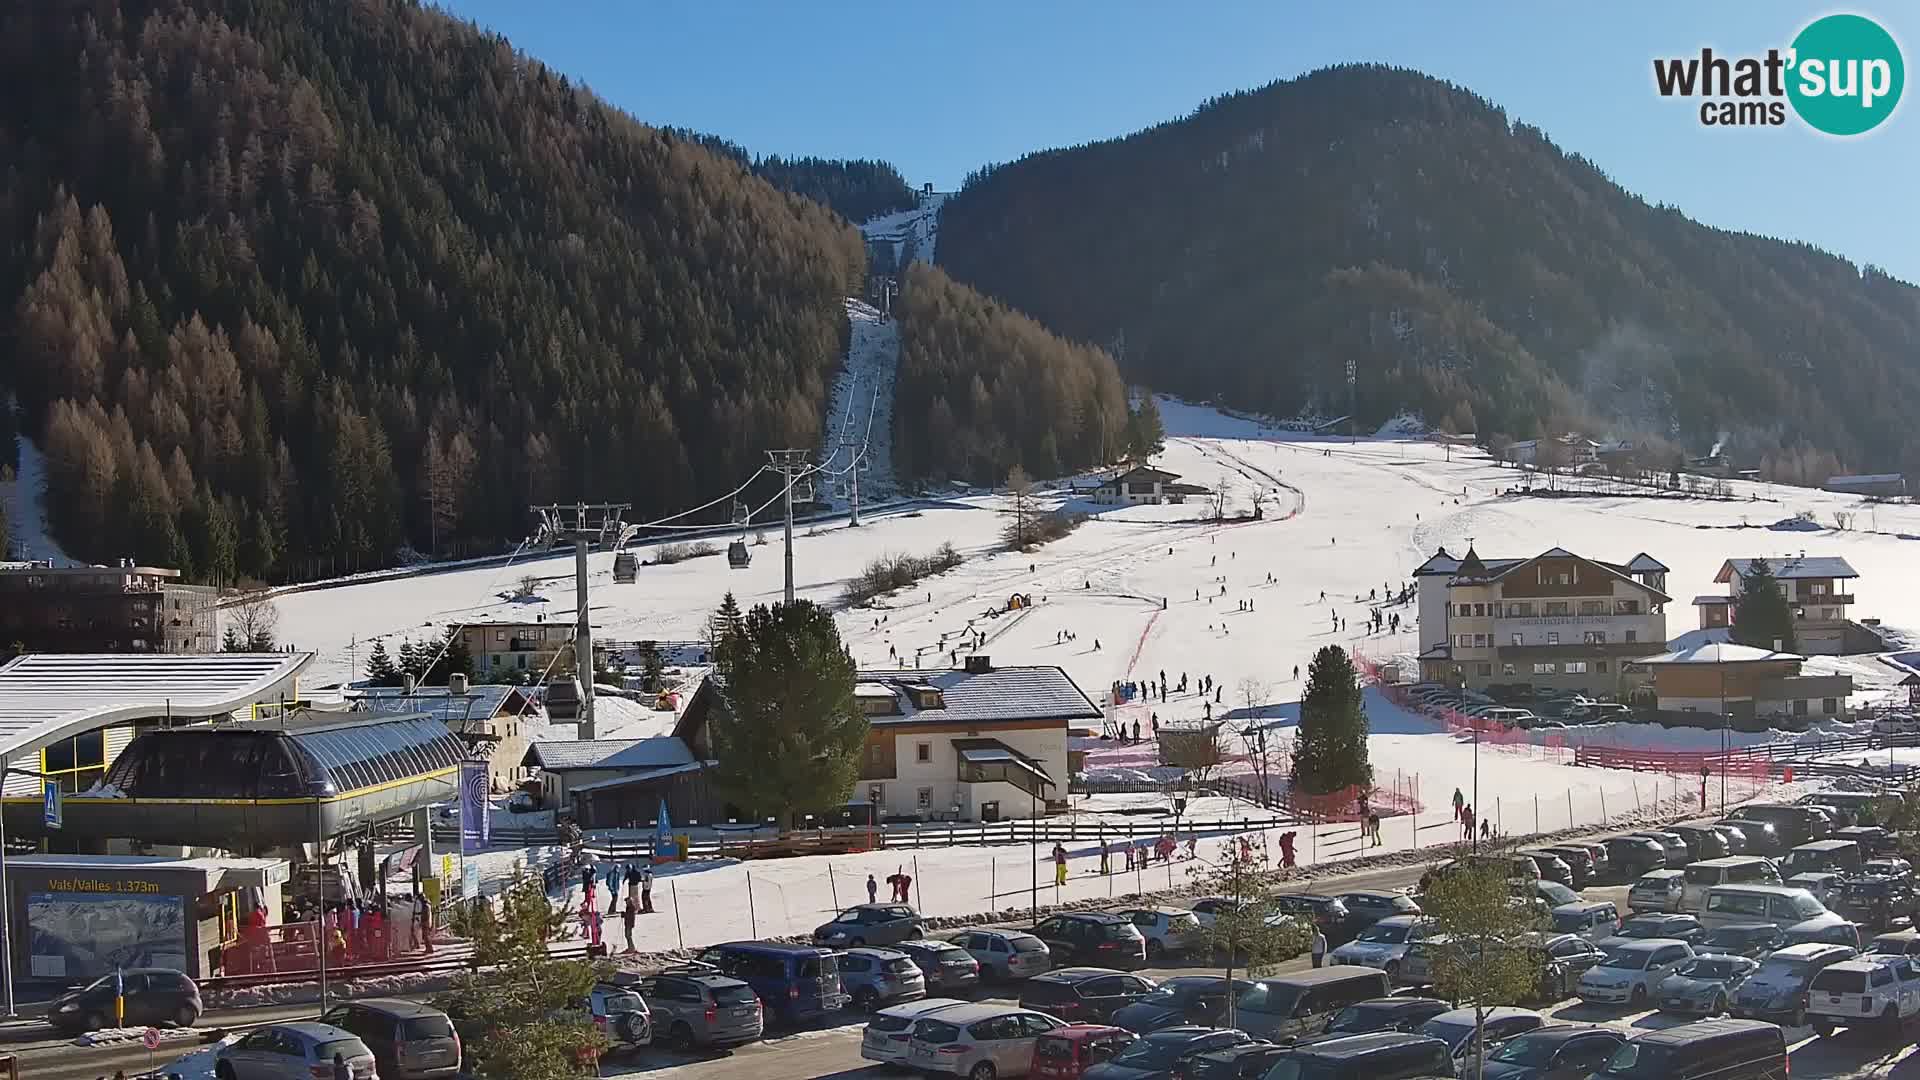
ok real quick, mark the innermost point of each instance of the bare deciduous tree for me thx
(251, 622)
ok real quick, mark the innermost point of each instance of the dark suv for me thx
(409, 1040)
(1329, 913)
(1631, 856)
(154, 996)
(694, 1006)
(1094, 937)
(1083, 995)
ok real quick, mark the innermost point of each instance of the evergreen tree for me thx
(652, 667)
(380, 669)
(231, 641)
(211, 539)
(1762, 617)
(1330, 753)
(455, 659)
(259, 554)
(411, 662)
(790, 737)
(1146, 435)
(722, 627)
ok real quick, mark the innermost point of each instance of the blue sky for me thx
(939, 89)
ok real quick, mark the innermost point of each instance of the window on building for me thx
(1465, 610)
(499, 635)
(1800, 706)
(1553, 638)
(1594, 637)
(1576, 667)
(1818, 589)
(1626, 607)
(1558, 607)
(1633, 636)
(923, 752)
(1507, 670)
(1479, 611)
(1543, 667)
(925, 799)
(1463, 641)
(1486, 671)
(876, 754)
(1599, 667)
(1519, 638)
(1593, 607)
(77, 763)
(1829, 705)
(1482, 641)
(1520, 610)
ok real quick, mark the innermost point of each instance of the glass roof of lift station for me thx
(281, 760)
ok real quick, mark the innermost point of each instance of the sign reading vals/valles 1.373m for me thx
(1842, 75)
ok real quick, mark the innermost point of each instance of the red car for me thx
(1068, 1053)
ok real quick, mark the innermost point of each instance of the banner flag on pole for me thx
(476, 816)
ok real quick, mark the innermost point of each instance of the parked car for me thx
(1685, 928)
(958, 1041)
(1703, 1050)
(1368, 906)
(154, 996)
(1840, 856)
(795, 982)
(1578, 859)
(1875, 903)
(1732, 870)
(1093, 937)
(948, 969)
(1067, 1053)
(1500, 1023)
(1553, 1052)
(1658, 890)
(1561, 959)
(1382, 1055)
(1207, 908)
(1879, 990)
(1631, 971)
(1704, 985)
(1823, 884)
(1794, 825)
(1301, 1003)
(412, 1040)
(1384, 944)
(1005, 954)
(1631, 856)
(1762, 838)
(1896, 943)
(1736, 840)
(1778, 990)
(871, 924)
(1818, 931)
(1888, 866)
(1167, 929)
(1156, 1056)
(1703, 841)
(1084, 994)
(696, 1007)
(1751, 940)
(887, 1033)
(1248, 1061)
(1181, 1000)
(295, 1051)
(1386, 1014)
(1552, 868)
(1780, 905)
(1873, 839)
(1595, 920)
(1327, 912)
(875, 977)
(1672, 847)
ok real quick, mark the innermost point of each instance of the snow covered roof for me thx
(1711, 600)
(1145, 473)
(1797, 566)
(1644, 563)
(1039, 692)
(658, 752)
(50, 696)
(1717, 652)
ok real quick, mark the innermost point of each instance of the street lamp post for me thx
(1726, 724)
(320, 789)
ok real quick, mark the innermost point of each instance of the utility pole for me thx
(585, 524)
(793, 469)
(854, 457)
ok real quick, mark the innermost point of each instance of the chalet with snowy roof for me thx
(619, 783)
(1813, 586)
(1872, 485)
(1752, 687)
(1556, 620)
(1144, 484)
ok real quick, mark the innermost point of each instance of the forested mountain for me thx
(1462, 264)
(289, 284)
(982, 388)
(856, 189)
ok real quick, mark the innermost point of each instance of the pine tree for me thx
(380, 669)
(652, 667)
(789, 685)
(231, 641)
(722, 628)
(1762, 617)
(455, 659)
(410, 661)
(1330, 753)
(1146, 434)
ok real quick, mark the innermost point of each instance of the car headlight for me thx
(69, 1007)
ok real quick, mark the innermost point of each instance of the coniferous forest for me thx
(292, 284)
(1466, 267)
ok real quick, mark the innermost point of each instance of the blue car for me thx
(795, 983)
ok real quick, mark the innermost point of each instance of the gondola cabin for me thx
(626, 567)
(563, 699)
(738, 556)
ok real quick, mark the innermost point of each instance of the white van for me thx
(1785, 908)
(1732, 870)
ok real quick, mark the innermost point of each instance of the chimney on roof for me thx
(406, 683)
(1779, 645)
(979, 663)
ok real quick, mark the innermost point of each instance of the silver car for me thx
(1006, 954)
(886, 1037)
(297, 1051)
(1384, 945)
(978, 1041)
(1632, 971)
(1167, 929)
(694, 1006)
(1704, 985)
